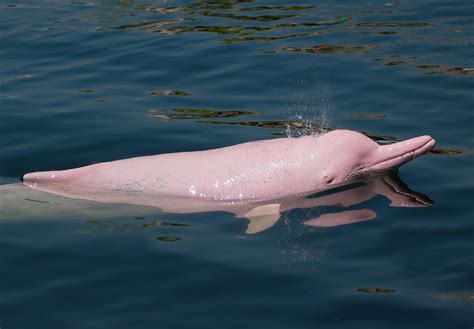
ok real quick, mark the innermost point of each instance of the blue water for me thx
(83, 82)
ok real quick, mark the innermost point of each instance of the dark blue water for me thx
(83, 82)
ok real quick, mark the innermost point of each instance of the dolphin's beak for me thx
(388, 157)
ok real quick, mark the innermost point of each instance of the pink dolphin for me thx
(260, 170)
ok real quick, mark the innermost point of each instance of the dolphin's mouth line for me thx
(411, 154)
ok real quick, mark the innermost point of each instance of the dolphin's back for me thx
(247, 170)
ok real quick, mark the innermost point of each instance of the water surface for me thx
(83, 82)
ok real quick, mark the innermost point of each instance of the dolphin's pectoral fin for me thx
(341, 218)
(262, 218)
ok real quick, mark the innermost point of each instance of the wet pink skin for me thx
(254, 171)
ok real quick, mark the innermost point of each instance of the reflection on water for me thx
(368, 115)
(137, 223)
(334, 205)
(86, 91)
(248, 21)
(433, 69)
(169, 93)
(192, 114)
(377, 290)
(460, 296)
(327, 49)
(168, 238)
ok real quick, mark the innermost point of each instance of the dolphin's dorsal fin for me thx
(262, 218)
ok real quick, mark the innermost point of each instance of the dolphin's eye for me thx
(328, 179)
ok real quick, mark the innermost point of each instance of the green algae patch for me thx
(103, 100)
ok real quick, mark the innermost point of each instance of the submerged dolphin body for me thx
(20, 202)
(253, 171)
